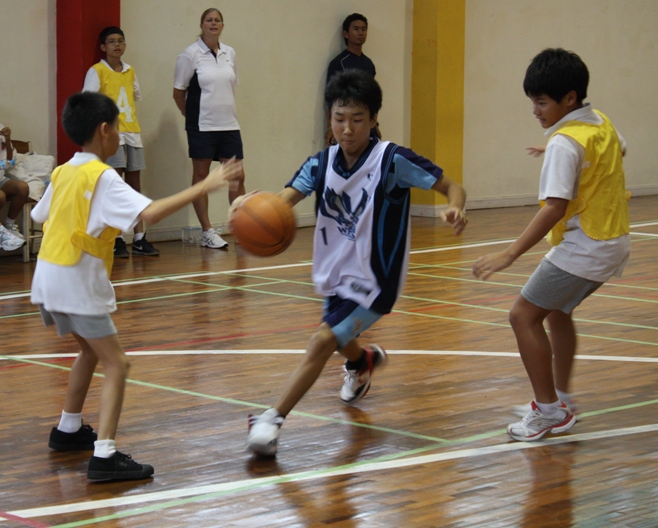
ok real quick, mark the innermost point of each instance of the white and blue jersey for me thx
(362, 235)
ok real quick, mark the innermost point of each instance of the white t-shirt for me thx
(578, 254)
(93, 84)
(85, 288)
(213, 99)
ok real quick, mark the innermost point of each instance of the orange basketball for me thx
(263, 224)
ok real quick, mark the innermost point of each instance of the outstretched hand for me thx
(227, 172)
(456, 218)
(486, 265)
(536, 151)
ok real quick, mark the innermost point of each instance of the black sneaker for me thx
(144, 247)
(117, 467)
(120, 249)
(82, 440)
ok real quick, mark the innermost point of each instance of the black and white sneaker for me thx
(357, 382)
(144, 247)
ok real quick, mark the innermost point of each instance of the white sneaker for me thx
(15, 231)
(9, 241)
(536, 424)
(211, 239)
(264, 432)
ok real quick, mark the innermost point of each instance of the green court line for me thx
(525, 276)
(298, 476)
(453, 246)
(446, 318)
(438, 443)
(519, 286)
(435, 301)
(505, 310)
(240, 402)
(215, 288)
(247, 487)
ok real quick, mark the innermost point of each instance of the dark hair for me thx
(556, 72)
(210, 10)
(110, 30)
(354, 87)
(351, 18)
(84, 112)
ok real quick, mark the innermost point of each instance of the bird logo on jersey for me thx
(339, 207)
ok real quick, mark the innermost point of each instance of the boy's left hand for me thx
(456, 218)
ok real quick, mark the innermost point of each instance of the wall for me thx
(283, 49)
(618, 42)
(27, 81)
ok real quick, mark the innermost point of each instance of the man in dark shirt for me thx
(355, 32)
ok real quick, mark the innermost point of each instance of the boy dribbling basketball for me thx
(361, 244)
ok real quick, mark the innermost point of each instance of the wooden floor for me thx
(213, 336)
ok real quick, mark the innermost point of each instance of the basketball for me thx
(263, 224)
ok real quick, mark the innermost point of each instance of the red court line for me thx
(223, 338)
(24, 522)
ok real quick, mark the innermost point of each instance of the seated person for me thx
(14, 191)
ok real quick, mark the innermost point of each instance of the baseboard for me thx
(643, 190)
(168, 234)
(434, 211)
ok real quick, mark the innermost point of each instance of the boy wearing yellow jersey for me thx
(116, 79)
(84, 207)
(585, 215)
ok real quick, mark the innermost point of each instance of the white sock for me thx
(548, 409)
(70, 422)
(104, 448)
(564, 397)
(138, 236)
(272, 413)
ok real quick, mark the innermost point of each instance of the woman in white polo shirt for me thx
(204, 91)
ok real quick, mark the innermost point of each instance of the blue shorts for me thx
(347, 319)
(128, 158)
(552, 288)
(214, 145)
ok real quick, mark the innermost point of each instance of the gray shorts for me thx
(3, 180)
(551, 288)
(87, 326)
(128, 158)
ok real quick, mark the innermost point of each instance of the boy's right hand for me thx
(487, 264)
(227, 172)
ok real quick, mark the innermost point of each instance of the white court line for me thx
(352, 469)
(645, 234)
(630, 359)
